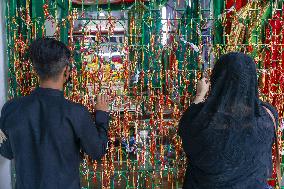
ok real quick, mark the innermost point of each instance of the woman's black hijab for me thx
(226, 138)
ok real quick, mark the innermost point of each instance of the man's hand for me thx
(102, 102)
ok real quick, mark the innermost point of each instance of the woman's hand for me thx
(202, 89)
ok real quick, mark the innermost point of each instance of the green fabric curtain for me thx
(219, 6)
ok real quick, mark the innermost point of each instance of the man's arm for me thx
(5, 146)
(93, 137)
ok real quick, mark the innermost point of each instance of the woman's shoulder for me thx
(271, 108)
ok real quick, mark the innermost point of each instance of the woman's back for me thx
(228, 158)
(228, 138)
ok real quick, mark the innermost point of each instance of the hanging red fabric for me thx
(273, 76)
(229, 16)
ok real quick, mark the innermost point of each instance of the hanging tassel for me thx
(2, 137)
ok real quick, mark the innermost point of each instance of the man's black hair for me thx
(49, 57)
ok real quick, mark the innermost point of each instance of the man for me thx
(44, 132)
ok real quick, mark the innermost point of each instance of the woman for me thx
(228, 138)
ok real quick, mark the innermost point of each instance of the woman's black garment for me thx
(228, 138)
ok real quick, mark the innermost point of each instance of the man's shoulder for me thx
(76, 111)
(75, 106)
(14, 103)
